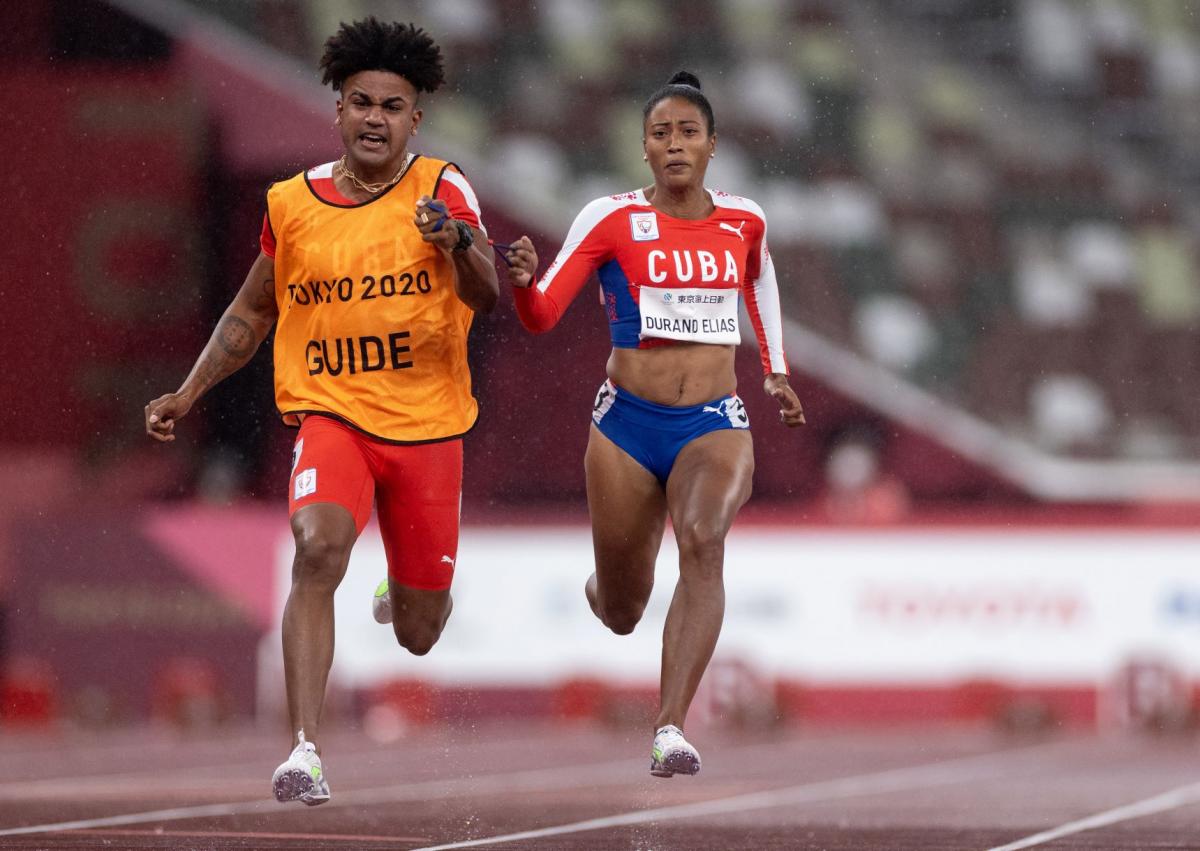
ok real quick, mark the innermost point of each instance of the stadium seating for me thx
(984, 198)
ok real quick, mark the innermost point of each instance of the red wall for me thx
(103, 253)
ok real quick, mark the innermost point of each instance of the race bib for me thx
(692, 314)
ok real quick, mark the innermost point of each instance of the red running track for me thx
(544, 787)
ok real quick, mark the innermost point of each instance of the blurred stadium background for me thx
(984, 216)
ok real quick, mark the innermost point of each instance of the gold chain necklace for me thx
(373, 188)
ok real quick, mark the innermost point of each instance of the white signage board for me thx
(820, 606)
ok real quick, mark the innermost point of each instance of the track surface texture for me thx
(517, 786)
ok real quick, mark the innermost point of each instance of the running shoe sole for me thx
(296, 784)
(680, 762)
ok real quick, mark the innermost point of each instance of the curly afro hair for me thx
(368, 45)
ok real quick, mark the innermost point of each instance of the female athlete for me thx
(669, 435)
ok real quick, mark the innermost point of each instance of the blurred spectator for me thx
(1069, 413)
(580, 37)
(1054, 43)
(1047, 293)
(1100, 255)
(1167, 270)
(925, 263)
(856, 490)
(895, 331)
(890, 142)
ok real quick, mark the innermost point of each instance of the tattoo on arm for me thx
(236, 337)
(233, 343)
(264, 301)
(210, 370)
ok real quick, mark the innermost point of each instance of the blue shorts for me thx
(653, 434)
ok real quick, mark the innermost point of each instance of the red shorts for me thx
(417, 489)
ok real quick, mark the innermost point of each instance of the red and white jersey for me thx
(664, 279)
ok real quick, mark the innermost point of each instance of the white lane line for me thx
(137, 818)
(527, 781)
(532, 780)
(894, 780)
(19, 788)
(310, 838)
(1171, 800)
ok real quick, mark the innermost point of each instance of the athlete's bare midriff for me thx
(682, 374)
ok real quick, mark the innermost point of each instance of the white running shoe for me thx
(302, 777)
(671, 754)
(381, 605)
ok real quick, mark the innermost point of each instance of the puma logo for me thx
(732, 229)
(732, 410)
(448, 560)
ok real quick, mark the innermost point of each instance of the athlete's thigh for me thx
(418, 498)
(628, 512)
(710, 481)
(329, 467)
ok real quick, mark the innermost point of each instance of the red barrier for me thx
(28, 696)
(187, 692)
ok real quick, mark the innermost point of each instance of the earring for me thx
(645, 158)
(413, 132)
(337, 121)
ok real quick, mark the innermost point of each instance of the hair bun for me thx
(684, 78)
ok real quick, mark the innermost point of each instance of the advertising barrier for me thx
(850, 622)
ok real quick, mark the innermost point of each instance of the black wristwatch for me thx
(465, 236)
